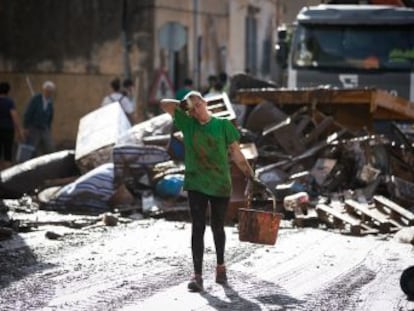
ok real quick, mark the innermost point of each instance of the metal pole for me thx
(29, 84)
(124, 41)
(196, 65)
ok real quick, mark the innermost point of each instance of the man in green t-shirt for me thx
(208, 142)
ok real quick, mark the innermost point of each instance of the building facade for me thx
(82, 45)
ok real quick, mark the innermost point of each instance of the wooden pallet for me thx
(372, 216)
(309, 219)
(220, 106)
(383, 216)
(342, 220)
(394, 211)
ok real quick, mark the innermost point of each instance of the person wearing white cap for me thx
(37, 121)
(208, 142)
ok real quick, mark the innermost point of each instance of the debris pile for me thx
(321, 171)
(321, 165)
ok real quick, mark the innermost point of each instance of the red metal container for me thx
(259, 226)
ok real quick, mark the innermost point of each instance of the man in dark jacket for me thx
(9, 126)
(38, 118)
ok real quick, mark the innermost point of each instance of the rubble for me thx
(322, 172)
(347, 169)
(324, 162)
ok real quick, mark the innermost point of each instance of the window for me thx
(363, 47)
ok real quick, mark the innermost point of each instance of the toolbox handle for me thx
(268, 191)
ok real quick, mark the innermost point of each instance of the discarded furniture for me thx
(98, 132)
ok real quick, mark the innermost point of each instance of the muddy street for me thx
(145, 265)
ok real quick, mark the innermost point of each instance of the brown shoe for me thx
(196, 284)
(221, 276)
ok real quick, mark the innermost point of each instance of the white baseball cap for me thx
(187, 98)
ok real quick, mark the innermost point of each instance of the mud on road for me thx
(145, 265)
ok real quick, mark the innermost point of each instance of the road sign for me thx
(172, 36)
(162, 87)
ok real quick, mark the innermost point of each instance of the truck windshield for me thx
(362, 47)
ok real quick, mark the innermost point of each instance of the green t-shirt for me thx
(207, 165)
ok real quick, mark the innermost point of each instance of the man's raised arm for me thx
(168, 105)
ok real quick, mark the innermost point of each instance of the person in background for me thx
(10, 127)
(38, 117)
(116, 95)
(188, 85)
(211, 82)
(208, 141)
(129, 91)
(224, 80)
(217, 89)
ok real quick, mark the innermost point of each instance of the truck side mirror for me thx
(281, 48)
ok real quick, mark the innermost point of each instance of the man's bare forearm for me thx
(240, 161)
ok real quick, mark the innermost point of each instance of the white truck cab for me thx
(351, 46)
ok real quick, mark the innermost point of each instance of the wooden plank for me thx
(392, 103)
(216, 106)
(395, 209)
(318, 130)
(379, 103)
(223, 114)
(374, 216)
(395, 224)
(305, 96)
